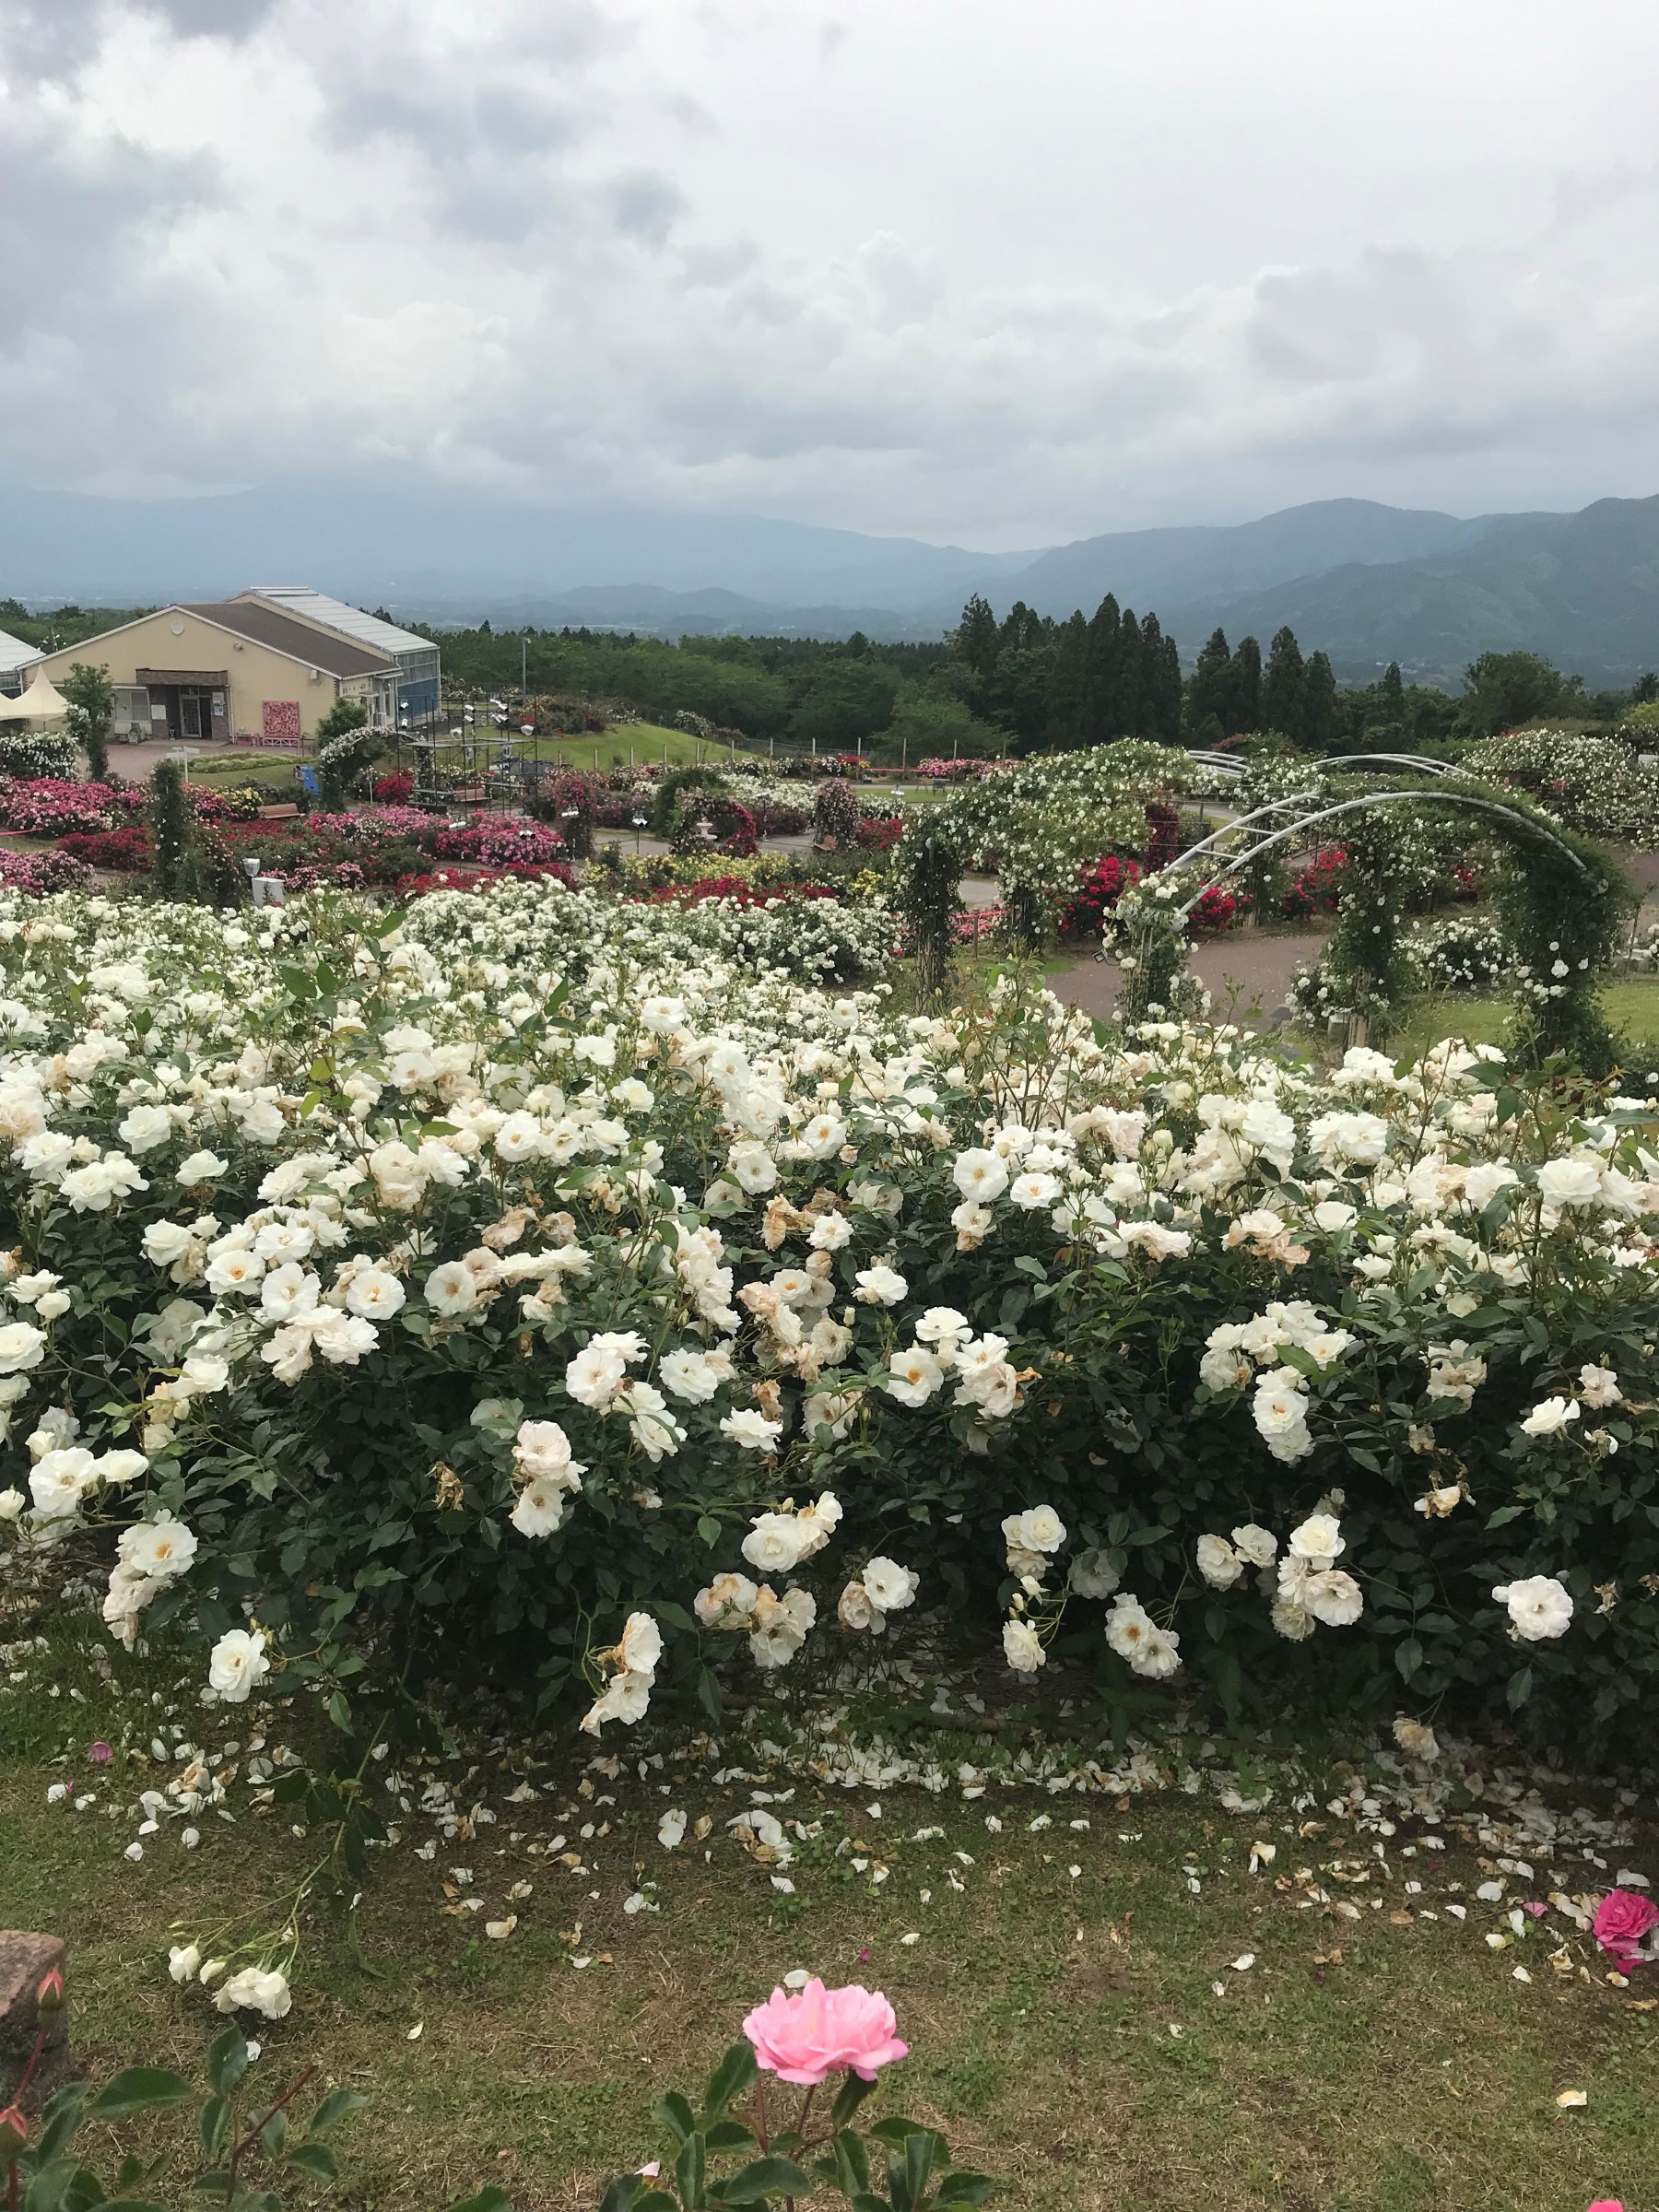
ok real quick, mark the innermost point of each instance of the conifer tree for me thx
(1393, 698)
(1284, 686)
(1210, 693)
(976, 645)
(1101, 675)
(1244, 673)
(1068, 682)
(1319, 706)
(1124, 713)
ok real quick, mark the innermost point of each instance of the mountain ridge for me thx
(1363, 582)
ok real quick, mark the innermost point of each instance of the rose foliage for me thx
(574, 1292)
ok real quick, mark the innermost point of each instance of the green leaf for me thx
(965, 2188)
(273, 2135)
(1519, 1689)
(314, 2158)
(215, 2128)
(852, 2093)
(852, 2162)
(1408, 1657)
(139, 2090)
(339, 1712)
(727, 2134)
(49, 2185)
(618, 2197)
(228, 2061)
(691, 2171)
(765, 2177)
(496, 2199)
(676, 2115)
(918, 2162)
(334, 2108)
(896, 2129)
(734, 2075)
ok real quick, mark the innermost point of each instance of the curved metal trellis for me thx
(1511, 815)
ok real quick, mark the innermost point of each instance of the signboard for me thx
(281, 719)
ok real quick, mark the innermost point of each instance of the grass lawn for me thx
(1631, 1005)
(221, 771)
(1059, 1994)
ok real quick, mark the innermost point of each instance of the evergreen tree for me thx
(91, 699)
(1123, 714)
(169, 829)
(1284, 686)
(1393, 698)
(1169, 694)
(1319, 719)
(1100, 672)
(1068, 683)
(1210, 692)
(975, 644)
(1244, 675)
(1152, 717)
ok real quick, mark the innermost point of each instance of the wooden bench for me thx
(284, 812)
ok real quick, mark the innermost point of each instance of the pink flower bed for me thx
(50, 807)
(38, 873)
(501, 841)
(955, 772)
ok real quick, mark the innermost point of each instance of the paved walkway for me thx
(1249, 972)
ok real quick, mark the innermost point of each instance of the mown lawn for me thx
(1059, 1990)
(1631, 1005)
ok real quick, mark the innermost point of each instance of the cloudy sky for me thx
(995, 272)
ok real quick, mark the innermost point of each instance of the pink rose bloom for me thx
(820, 2031)
(1622, 1919)
(1607, 2204)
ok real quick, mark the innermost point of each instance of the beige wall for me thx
(172, 639)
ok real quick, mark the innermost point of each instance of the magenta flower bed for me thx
(38, 873)
(499, 841)
(50, 807)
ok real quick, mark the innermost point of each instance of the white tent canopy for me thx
(41, 702)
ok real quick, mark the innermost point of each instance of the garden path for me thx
(1260, 963)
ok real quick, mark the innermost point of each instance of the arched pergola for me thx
(1562, 911)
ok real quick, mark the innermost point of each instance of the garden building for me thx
(234, 671)
(15, 657)
(418, 658)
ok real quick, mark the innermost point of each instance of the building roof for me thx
(351, 621)
(264, 625)
(14, 653)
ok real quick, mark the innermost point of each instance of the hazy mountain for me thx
(1367, 582)
(1582, 589)
(645, 607)
(1163, 568)
(412, 550)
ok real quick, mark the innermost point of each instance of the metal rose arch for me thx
(1562, 902)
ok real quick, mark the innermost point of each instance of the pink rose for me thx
(1622, 1919)
(819, 2031)
(1607, 2204)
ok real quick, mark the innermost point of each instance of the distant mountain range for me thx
(1367, 582)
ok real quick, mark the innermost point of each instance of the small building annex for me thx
(239, 671)
(14, 659)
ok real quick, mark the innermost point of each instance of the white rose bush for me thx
(525, 1291)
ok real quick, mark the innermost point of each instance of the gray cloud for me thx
(944, 285)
